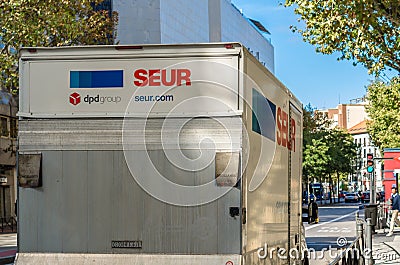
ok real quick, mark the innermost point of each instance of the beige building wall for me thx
(351, 114)
(346, 115)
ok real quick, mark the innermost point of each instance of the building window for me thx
(4, 127)
(365, 142)
(365, 153)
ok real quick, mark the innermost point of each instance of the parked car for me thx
(351, 197)
(342, 194)
(305, 199)
(365, 197)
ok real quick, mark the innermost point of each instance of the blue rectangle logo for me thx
(263, 116)
(96, 79)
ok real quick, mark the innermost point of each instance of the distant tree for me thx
(309, 128)
(384, 110)
(366, 32)
(342, 155)
(327, 152)
(27, 23)
(315, 160)
(343, 151)
(309, 123)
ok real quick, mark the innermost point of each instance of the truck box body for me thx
(156, 154)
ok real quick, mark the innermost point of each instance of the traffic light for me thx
(370, 163)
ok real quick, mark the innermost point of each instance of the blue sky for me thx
(313, 77)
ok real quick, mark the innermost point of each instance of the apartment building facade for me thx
(8, 143)
(353, 118)
(365, 145)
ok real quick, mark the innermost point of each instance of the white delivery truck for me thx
(157, 154)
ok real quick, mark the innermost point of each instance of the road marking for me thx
(335, 229)
(331, 221)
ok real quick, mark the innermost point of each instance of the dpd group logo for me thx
(75, 98)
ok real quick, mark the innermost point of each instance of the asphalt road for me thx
(336, 229)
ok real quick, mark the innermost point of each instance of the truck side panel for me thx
(296, 178)
(273, 163)
(89, 197)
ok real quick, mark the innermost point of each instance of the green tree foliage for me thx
(384, 110)
(342, 154)
(315, 158)
(367, 31)
(28, 23)
(315, 147)
(329, 151)
(342, 151)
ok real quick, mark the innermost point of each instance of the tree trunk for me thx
(338, 183)
(330, 188)
(320, 181)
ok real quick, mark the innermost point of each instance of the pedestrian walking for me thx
(395, 210)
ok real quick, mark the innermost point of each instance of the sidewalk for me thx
(386, 250)
(8, 248)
